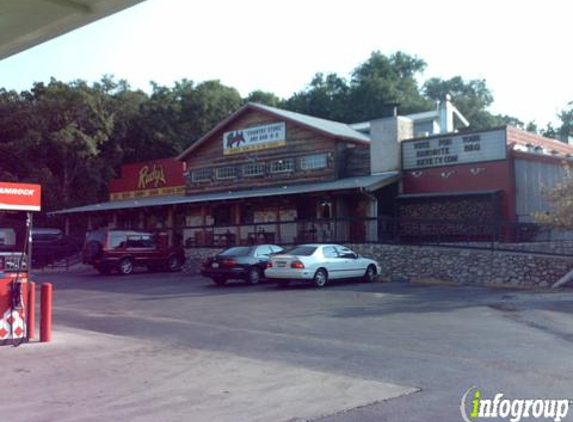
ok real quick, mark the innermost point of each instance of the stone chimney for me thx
(385, 137)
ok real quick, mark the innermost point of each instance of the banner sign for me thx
(20, 197)
(149, 178)
(454, 149)
(254, 138)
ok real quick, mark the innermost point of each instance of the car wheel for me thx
(125, 266)
(283, 283)
(370, 274)
(320, 278)
(220, 281)
(254, 276)
(174, 264)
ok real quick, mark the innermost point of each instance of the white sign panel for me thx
(452, 150)
(254, 138)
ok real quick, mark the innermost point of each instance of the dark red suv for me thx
(123, 250)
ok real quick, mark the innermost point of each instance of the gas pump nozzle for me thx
(17, 299)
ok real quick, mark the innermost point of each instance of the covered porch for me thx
(344, 210)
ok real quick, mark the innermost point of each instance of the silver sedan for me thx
(319, 263)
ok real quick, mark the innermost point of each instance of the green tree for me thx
(173, 118)
(15, 120)
(383, 80)
(325, 97)
(566, 129)
(263, 97)
(472, 98)
(203, 107)
(62, 129)
(560, 198)
(152, 127)
(79, 122)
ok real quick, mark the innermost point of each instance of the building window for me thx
(312, 162)
(285, 165)
(226, 173)
(253, 169)
(201, 175)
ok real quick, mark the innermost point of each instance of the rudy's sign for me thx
(20, 196)
(254, 138)
(151, 177)
(147, 179)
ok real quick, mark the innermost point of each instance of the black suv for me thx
(50, 245)
(123, 250)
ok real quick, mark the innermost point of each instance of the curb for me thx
(438, 282)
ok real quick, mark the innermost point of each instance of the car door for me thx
(354, 266)
(334, 264)
(149, 254)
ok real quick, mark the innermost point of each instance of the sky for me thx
(521, 48)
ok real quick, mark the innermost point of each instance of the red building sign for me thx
(150, 178)
(20, 196)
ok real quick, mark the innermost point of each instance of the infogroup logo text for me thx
(474, 407)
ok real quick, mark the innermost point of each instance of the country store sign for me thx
(452, 150)
(254, 138)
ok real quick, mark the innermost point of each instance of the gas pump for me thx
(17, 201)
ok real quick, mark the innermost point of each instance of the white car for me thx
(319, 263)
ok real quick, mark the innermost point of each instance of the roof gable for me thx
(325, 127)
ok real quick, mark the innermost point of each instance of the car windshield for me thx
(236, 251)
(301, 250)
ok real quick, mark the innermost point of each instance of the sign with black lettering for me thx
(254, 138)
(454, 149)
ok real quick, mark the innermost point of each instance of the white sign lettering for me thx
(454, 149)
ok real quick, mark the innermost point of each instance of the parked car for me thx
(239, 262)
(123, 250)
(319, 263)
(49, 245)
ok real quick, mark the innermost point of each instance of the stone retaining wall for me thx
(195, 256)
(556, 247)
(447, 264)
(466, 265)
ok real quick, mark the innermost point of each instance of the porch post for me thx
(277, 219)
(203, 224)
(170, 228)
(237, 221)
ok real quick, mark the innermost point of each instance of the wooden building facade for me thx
(261, 175)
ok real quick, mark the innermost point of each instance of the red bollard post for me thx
(46, 313)
(31, 309)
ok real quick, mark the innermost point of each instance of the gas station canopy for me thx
(27, 23)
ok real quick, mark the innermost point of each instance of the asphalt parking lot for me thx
(174, 347)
